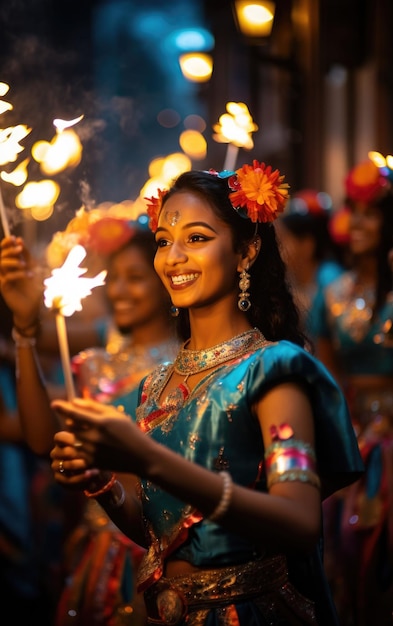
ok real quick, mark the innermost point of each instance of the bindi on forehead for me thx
(172, 217)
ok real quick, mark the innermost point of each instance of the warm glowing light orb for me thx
(38, 194)
(18, 176)
(255, 18)
(65, 151)
(196, 66)
(193, 143)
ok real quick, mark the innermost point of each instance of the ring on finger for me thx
(61, 467)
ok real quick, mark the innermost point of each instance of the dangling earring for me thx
(244, 283)
(174, 311)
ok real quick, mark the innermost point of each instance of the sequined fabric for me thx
(344, 315)
(187, 599)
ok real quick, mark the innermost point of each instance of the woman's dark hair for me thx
(142, 238)
(272, 309)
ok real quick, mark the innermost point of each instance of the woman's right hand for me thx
(108, 438)
(21, 281)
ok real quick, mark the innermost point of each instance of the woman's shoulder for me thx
(336, 444)
(282, 348)
(283, 359)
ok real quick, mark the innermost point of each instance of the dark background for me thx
(111, 62)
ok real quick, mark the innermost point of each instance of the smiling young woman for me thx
(239, 438)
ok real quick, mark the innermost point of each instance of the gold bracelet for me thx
(226, 496)
(22, 341)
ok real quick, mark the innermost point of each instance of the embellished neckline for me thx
(189, 362)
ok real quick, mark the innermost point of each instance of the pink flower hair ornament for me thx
(257, 193)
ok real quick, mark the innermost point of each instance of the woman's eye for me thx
(196, 238)
(161, 243)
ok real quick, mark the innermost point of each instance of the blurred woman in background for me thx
(312, 256)
(354, 314)
(100, 562)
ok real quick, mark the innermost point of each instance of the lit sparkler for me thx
(9, 150)
(235, 128)
(65, 289)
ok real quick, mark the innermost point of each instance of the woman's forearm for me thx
(38, 421)
(124, 508)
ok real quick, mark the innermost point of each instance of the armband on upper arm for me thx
(291, 460)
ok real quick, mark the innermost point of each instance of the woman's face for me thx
(195, 257)
(365, 225)
(135, 292)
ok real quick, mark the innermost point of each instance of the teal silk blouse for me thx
(214, 426)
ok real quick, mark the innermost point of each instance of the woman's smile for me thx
(180, 280)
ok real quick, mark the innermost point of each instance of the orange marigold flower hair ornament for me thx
(258, 190)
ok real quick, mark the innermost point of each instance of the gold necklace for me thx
(189, 362)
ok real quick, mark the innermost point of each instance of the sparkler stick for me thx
(231, 157)
(4, 220)
(64, 291)
(65, 355)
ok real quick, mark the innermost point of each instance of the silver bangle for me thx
(226, 497)
(21, 341)
(117, 502)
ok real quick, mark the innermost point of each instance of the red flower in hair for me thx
(154, 206)
(260, 190)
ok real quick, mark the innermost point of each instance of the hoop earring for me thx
(174, 311)
(244, 283)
